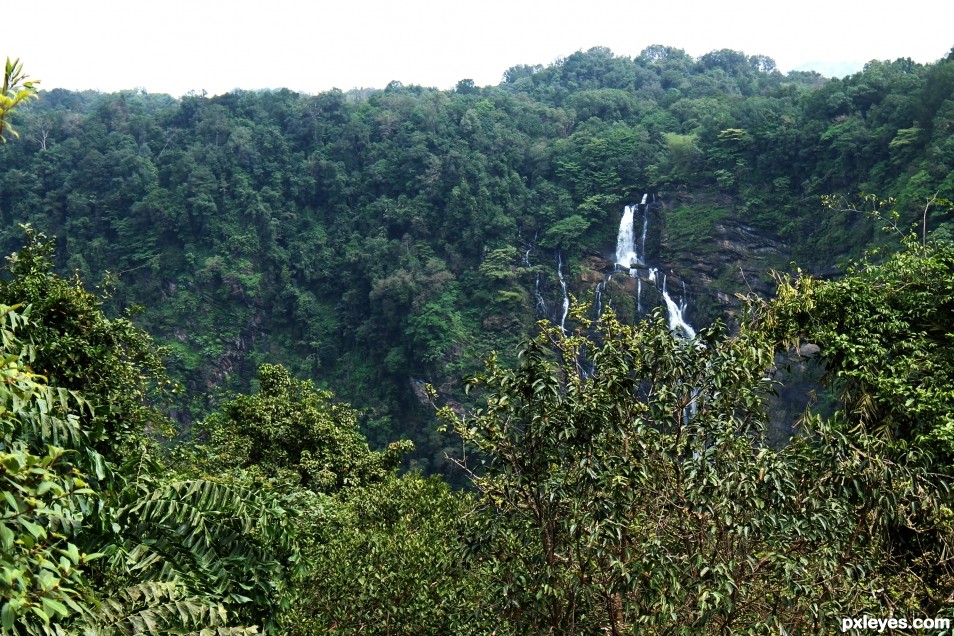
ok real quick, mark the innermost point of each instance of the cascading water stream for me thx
(625, 242)
(639, 297)
(642, 240)
(632, 261)
(541, 303)
(566, 296)
(598, 299)
(626, 257)
(677, 324)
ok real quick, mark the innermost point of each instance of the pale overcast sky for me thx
(174, 46)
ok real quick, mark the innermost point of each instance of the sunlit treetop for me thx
(17, 88)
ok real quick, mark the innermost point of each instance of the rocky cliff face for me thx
(737, 259)
(706, 253)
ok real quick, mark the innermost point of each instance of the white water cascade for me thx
(642, 239)
(626, 254)
(629, 260)
(627, 257)
(566, 296)
(639, 296)
(541, 303)
(598, 299)
(677, 324)
(625, 241)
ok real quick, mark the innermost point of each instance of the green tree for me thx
(387, 558)
(17, 88)
(643, 497)
(377, 552)
(45, 496)
(683, 155)
(186, 552)
(118, 541)
(293, 431)
(884, 333)
(111, 362)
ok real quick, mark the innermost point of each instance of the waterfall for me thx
(626, 257)
(676, 322)
(625, 245)
(642, 240)
(566, 296)
(639, 297)
(598, 299)
(541, 303)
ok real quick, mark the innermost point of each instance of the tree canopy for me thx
(616, 476)
(349, 236)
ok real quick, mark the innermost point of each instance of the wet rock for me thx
(808, 350)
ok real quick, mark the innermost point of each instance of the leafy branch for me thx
(17, 88)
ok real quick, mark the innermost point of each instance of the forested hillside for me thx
(625, 472)
(377, 239)
(641, 497)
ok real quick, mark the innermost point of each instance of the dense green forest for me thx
(375, 240)
(178, 453)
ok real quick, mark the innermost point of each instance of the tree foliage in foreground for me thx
(75, 346)
(886, 338)
(45, 493)
(17, 88)
(624, 484)
(642, 496)
(378, 553)
(292, 431)
(886, 334)
(118, 541)
(388, 559)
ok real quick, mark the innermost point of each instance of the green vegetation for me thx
(646, 499)
(372, 240)
(619, 479)
(689, 228)
(17, 88)
(97, 530)
(643, 497)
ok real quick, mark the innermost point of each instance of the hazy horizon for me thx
(180, 47)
